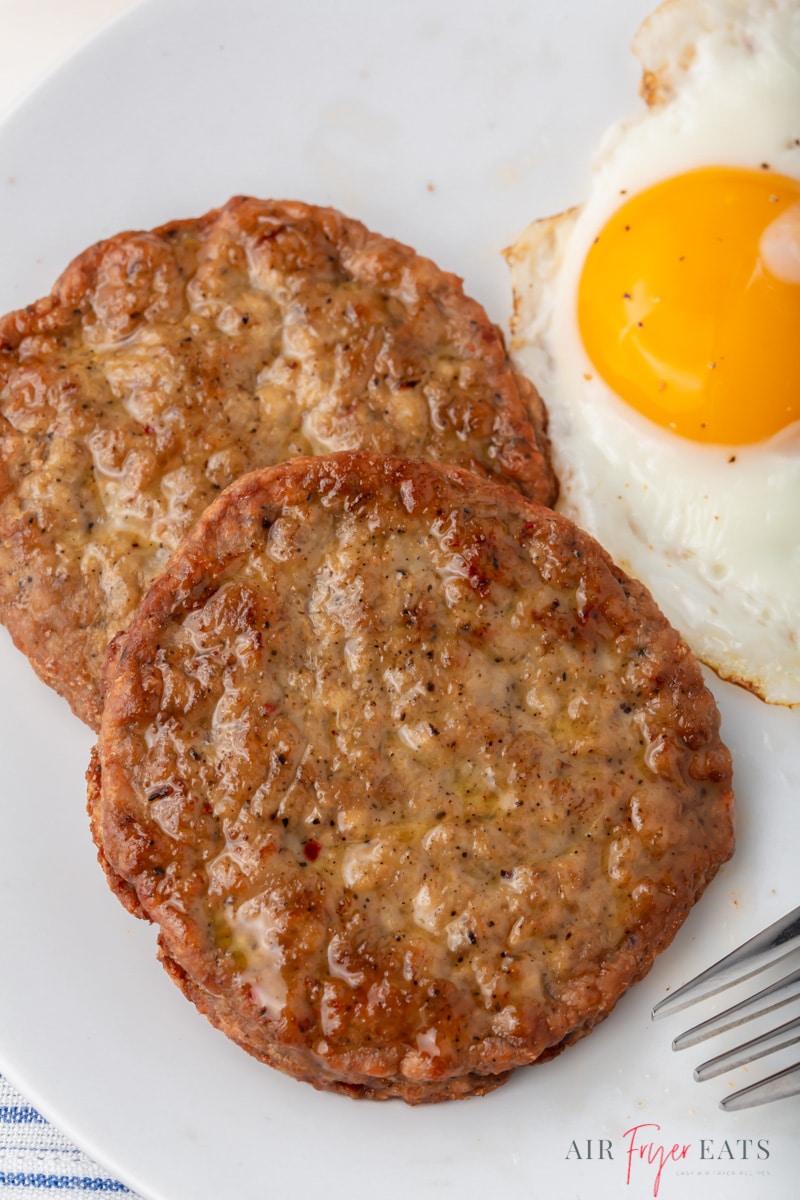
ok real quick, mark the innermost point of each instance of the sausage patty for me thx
(166, 364)
(413, 779)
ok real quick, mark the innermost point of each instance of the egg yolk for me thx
(689, 304)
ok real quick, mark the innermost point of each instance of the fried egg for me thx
(661, 323)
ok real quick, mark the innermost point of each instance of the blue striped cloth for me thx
(36, 1158)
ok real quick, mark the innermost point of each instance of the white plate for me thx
(448, 125)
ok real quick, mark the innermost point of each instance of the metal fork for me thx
(766, 949)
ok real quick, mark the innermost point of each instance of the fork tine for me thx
(776, 1087)
(758, 1047)
(761, 951)
(783, 991)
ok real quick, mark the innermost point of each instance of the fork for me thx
(766, 949)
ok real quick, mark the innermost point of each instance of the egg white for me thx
(711, 530)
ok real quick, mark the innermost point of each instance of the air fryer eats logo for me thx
(646, 1154)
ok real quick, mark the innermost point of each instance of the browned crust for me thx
(125, 892)
(224, 1017)
(165, 364)
(643, 772)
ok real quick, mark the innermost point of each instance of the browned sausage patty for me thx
(413, 779)
(166, 364)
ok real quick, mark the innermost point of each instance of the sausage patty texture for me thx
(166, 364)
(413, 779)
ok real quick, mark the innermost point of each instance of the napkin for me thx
(36, 1159)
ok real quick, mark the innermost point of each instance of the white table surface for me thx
(37, 35)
